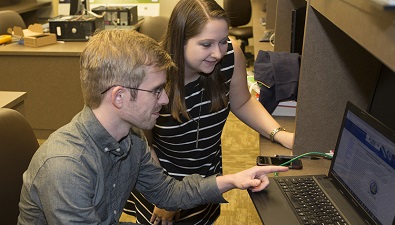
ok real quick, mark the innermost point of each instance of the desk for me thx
(50, 74)
(13, 100)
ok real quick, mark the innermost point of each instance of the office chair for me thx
(154, 27)
(239, 13)
(17, 146)
(9, 19)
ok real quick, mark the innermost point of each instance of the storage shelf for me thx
(25, 7)
(371, 27)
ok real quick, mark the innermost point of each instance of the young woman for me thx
(210, 82)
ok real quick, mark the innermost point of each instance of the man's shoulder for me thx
(60, 146)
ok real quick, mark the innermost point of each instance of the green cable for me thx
(301, 156)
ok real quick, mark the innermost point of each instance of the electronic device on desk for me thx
(266, 36)
(117, 16)
(358, 189)
(277, 161)
(297, 27)
(75, 27)
(79, 7)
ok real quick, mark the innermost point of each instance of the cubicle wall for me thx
(341, 62)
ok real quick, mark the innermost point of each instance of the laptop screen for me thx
(364, 165)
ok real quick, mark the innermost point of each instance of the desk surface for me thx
(9, 99)
(58, 49)
(69, 48)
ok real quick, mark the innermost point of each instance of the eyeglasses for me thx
(157, 92)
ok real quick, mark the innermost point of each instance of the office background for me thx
(348, 54)
(165, 8)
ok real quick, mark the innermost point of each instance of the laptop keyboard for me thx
(310, 202)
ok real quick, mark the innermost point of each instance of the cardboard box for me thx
(40, 40)
(34, 36)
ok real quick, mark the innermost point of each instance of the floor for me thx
(240, 148)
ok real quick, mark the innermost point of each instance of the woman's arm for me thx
(248, 109)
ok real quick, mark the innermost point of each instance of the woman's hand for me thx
(167, 217)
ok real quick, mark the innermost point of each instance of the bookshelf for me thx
(26, 8)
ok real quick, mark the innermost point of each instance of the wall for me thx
(166, 6)
(46, 13)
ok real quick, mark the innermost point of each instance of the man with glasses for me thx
(84, 172)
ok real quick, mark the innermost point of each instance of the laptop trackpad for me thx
(273, 206)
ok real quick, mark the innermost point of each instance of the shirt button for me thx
(113, 185)
(118, 150)
(106, 149)
(115, 212)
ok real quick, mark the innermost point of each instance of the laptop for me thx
(359, 187)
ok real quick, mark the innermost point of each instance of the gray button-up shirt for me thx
(82, 175)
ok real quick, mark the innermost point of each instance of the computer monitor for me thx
(297, 26)
(383, 102)
(79, 7)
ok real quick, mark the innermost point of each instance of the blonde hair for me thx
(118, 57)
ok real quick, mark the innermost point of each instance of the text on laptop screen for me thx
(365, 165)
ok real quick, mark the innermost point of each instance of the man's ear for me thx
(118, 96)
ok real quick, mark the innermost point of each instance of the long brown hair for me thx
(187, 20)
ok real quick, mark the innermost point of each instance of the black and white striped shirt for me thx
(175, 143)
